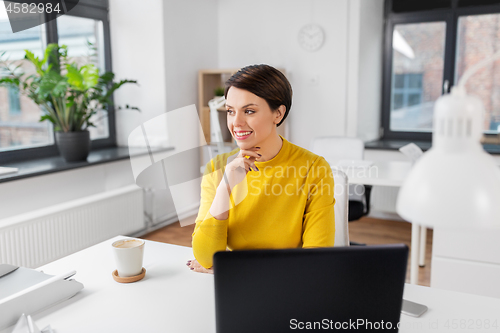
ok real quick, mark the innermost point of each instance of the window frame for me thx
(448, 15)
(91, 9)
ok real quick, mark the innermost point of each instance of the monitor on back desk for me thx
(349, 288)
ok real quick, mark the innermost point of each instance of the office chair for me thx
(341, 208)
(334, 149)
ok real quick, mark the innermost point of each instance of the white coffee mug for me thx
(128, 256)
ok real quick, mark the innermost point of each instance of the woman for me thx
(268, 193)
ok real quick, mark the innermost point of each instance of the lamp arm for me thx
(471, 71)
(215, 129)
(217, 102)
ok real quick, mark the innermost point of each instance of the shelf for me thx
(208, 81)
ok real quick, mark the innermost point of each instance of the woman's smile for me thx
(242, 135)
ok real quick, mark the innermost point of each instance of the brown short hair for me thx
(266, 82)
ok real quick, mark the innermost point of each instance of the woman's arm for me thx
(210, 234)
(319, 216)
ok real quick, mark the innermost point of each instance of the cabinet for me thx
(466, 261)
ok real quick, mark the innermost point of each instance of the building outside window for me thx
(428, 47)
(407, 103)
(14, 102)
(478, 38)
(19, 125)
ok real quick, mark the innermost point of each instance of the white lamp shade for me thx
(448, 190)
(456, 183)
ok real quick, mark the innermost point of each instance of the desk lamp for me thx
(215, 129)
(456, 183)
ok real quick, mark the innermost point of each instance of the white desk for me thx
(392, 173)
(171, 298)
(381, 173)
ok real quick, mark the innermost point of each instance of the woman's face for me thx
(250, 119)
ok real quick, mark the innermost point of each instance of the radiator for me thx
(39, 237)
(384, 198)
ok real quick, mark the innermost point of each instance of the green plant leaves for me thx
(52, 84)
(47, 117)
(12, 81)
(106, 78)
(84, 78)
(90, 75)
(69, 99)
(35, 60)
(75, 79)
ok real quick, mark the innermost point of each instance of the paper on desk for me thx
(412, 151)
(19, 280)
(5, 170)
(26, 324)
(29, 291)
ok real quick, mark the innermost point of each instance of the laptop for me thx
(356, 288)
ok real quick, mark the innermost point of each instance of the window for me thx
(22, 136)
(417, 73)
(85, 40)
(428, 47)
(479, 38)
(19, 125)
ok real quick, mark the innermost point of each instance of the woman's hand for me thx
(194, 265)
(238, 166)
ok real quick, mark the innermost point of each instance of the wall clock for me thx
(311, 37)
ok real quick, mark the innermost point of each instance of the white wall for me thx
(365, 46)
(370, 65)
(262, 31)
(137, 51)
(191, 44)
(163, 45)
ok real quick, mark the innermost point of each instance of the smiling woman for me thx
(247, 201)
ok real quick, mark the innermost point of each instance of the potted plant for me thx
(219, 91)
(68, 94)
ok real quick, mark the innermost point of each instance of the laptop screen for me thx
(350, 288)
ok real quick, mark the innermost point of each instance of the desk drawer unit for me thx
(466, 261)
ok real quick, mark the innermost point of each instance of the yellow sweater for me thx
(288, 203)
